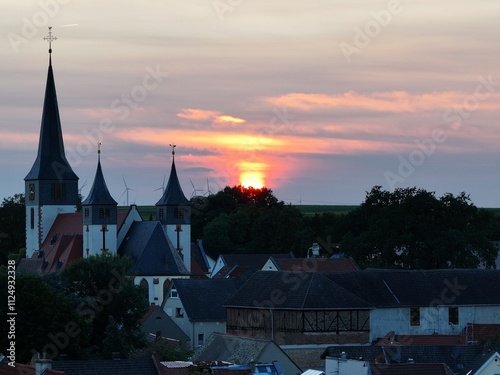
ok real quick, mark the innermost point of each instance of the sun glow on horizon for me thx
(252, 179)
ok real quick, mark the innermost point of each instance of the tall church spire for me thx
(51, 162)
(51, 186)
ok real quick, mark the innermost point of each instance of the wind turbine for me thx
(208, 189)
(162, 188)
(81, 187)
(126, 189)
(194, 190)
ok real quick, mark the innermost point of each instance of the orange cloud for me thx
(229, 119)
(390, 101)
(202, 114)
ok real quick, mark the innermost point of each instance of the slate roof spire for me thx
(99, 193)
(51, 162)
(173, 194)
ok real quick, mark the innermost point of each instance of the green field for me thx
(148, 212)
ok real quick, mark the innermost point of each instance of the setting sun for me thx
(252, 179)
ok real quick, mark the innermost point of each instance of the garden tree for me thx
(412, 228)
(100, 289)
(46, 322)
(248, 220)
(115, 340)
(12, 227)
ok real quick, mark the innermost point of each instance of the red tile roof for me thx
(64, 242)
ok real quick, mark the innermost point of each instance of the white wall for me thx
(432, 320)
(336, 366)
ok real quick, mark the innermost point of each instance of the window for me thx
(86, 213)
(453, 315)
(58, 191)
(101, 213)
(201, 339)
(145, 284)
(174, 294)
(161, 213)
(31, 192)
(179, 312)
(178, 213)
(415, 316)
(106, 212)
(32, 218)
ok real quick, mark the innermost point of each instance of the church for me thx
(56, 234)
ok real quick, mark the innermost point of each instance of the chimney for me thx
(410, 360)
(343, 356)
(41, 365)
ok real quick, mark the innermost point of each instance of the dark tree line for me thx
(406, 228)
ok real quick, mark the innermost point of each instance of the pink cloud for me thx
(390, 101)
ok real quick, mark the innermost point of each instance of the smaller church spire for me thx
(173, 194)
(99, 193)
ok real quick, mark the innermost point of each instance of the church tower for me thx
(99, 211)
(173, 211)
(51, 186)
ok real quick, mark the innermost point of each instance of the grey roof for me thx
(99, 193)
(173, 194)
(369, 289)
(204, 299)
(386, 288)
(108, 367)
(252, 262)
(51, 162)
(229, 348)
(480, 360)
(294, 290)
(151, 251)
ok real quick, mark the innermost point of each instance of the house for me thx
(242, 265)
(410, 369)
(197, 306)
(244, 351)
(108, 367)
(323, 265)
(361, 306)
(486, 363)
(344, 366)
(39, 367)
(158, 323)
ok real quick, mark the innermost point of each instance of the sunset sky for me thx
(317, 100)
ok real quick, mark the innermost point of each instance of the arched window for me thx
(145, 285)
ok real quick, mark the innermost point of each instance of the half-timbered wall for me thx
(301, 326)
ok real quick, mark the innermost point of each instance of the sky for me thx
(319, 101)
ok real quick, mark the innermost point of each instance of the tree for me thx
(46, 322)
(411, 228)
(100, 289)
(12, 227)
(248, 220)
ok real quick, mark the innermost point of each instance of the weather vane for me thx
(50, 38)
(173, 148)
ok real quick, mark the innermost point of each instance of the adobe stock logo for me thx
(372, 28)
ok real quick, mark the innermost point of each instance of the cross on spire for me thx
(99, 151)
(50, 38)
(173, 149)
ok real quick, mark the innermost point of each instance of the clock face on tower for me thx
(31, 192)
